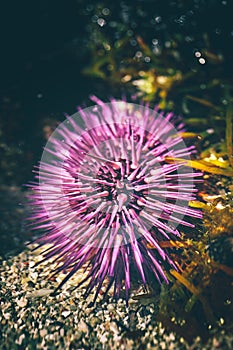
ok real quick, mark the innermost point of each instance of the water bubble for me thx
(158, 19)
(107, 47)
(147, 59)
(155, 41)
(138, 54)
(197, 54)
(94, 18)
(133, 42)
(221, 321)
(101, 22)
(105, 11)
(201, 60)
(156, 50)
(228, 302)
(167, 44)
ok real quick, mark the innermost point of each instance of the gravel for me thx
(31, 318)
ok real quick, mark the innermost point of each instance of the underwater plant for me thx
(106, 194)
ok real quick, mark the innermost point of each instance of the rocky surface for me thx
(31, 318)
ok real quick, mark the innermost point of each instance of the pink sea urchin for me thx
(105, 192)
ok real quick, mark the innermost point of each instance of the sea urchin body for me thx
(105, 193)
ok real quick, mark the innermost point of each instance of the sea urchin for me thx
(106, 194)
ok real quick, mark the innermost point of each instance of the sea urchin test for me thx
(106, 194)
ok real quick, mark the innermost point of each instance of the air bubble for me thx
(155, 41)
(167, 44)
(133, 42)
(197, 54)
(101, 22)
(94, 18)
(201, 60)
(105, 11)
(158, 19)
(138, 54)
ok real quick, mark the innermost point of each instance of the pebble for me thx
(82, 326)
(22, 302)
(65, 313)
(94, 321)
(39, 293)
(110, 307)
(43, 332)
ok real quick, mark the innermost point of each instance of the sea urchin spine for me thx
(105, 193)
